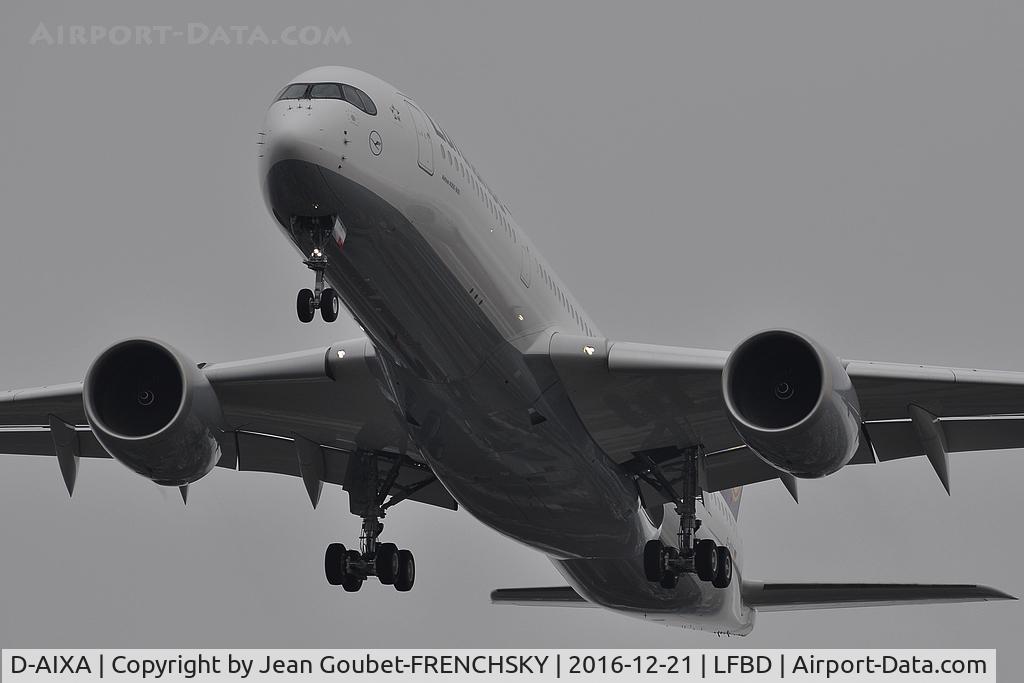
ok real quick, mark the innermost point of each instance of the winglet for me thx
(933, 439)
(789, 481)
(67, 449)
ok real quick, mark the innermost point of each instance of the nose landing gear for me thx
(323, 298)
(317, 231)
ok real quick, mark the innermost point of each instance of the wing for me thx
(911, 410)
(321, 415)
(641, 398)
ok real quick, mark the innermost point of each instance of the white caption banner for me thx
(499, 665)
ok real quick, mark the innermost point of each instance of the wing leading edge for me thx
(319, 415)
(639, 398)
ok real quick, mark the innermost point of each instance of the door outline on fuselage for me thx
(424, 139)
(526, 267)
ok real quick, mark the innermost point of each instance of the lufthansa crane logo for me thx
(375, 143)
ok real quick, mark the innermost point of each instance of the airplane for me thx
(482, 383)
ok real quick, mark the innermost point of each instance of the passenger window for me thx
(325, 91)
(293, 92)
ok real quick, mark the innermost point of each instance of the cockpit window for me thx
(368, 106)
(325, 91)
(294, 91)
(360, 99)
(329, 91)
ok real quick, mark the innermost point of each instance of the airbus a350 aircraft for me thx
(482, 383)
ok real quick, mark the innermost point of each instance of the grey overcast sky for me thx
(694, 171)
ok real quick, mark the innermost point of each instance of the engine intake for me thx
(792, 403)
(154, 411)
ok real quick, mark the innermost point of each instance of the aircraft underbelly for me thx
(498, 432)
(496, 425)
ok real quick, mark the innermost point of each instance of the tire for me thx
(406, 571)
(723, 577)
(352, 581)
(304, 305)
(652, 560)
(669, 580)
(334, 564)
(386, 563)
(329, 305)
(706, 559)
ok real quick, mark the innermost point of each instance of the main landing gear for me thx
(349, 568)
(369, 498)
(324, 298)
(664, 564)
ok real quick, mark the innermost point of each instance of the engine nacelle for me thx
(792, 403)
(153, 410)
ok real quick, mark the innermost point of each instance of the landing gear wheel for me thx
(706, 559)
(669, 581)
(352, 581)
(406, 571)
(334, 564)
(723, 577)
(304, 305)
(386, 563)
(329, 305)
(653, 565)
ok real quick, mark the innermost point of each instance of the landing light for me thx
(341, 353)
(316, 252)
(519, 316)
(589, 350)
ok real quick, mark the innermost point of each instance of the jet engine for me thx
(792, 403)
(153, 410)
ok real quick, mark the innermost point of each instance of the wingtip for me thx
(996, 594)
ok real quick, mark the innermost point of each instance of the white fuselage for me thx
(455, 297)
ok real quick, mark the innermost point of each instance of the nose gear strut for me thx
(320, 297)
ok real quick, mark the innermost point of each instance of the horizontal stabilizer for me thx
(785, 597)
(554, 596)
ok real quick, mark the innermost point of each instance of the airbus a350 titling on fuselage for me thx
(483, 383)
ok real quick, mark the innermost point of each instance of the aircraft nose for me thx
(293, 153)
(292, 135)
